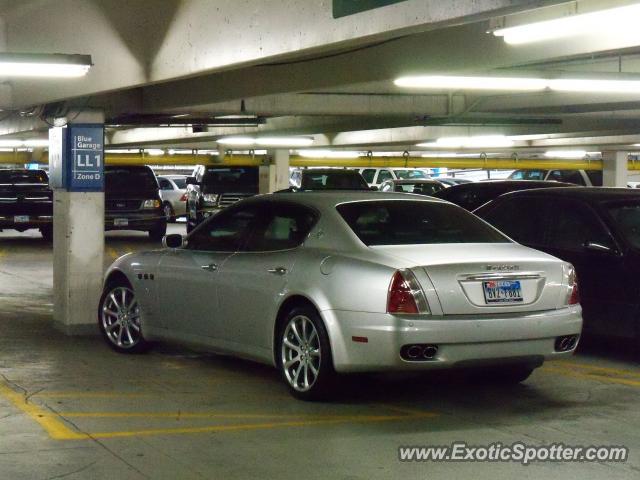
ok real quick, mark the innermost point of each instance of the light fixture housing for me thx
(480, 141)
(267, 141)
(44, 65)
(328, 154)
(611, 21)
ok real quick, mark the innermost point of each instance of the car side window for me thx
(225, 232)
(521, 218)
(596, 177)
(368, 174)
(165, 184)
(386, 187)
(384, 175)
(285, 227)
(574, 224)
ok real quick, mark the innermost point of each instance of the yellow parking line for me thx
(49, 421)
(254, 426)
(596, 368)
(89, 395)
(592, 376)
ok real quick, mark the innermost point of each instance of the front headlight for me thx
(151, 204)
(210, 199)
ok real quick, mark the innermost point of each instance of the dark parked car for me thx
(132, 201)
(212, 189)
(451, 181)
(314, 179)
(26, 201)
(598, 231)
(472, 195)
(421, 187)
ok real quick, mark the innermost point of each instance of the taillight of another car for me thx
(405, 294)
(183, 198)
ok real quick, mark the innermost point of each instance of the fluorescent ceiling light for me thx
(472, 83)
(565, 153)
(327, 154)
(268, 141)
(33, 143)
(484, 141)
(154, 151)
(43, 65)
(603, 22)
(521, 84)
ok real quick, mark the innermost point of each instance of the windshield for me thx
(23, 176)
(129, 179)
(338, 180)
(421, 188)
(528, 175)
(402, 222)
(627, 218)
(410, 174)
(232, 179)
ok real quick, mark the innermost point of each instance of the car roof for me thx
(322, 199)
(412, 180)
(489, 184)
(329, 170)
(592, 194)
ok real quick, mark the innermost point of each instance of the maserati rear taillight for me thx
(574, 296)
(405, 295)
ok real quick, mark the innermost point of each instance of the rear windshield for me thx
(338, 180)
(420, 188)
(627, 218)
(181, 183)
(403, 222)
(129, 179)
(23, 176)
(232, 179)
(410, 174)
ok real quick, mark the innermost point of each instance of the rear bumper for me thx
(134, 220)
(32, 221)
(462, 340)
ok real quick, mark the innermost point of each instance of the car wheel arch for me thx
(292, 301)
(117, 276)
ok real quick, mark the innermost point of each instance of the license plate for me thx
(120, 222)
(502, 291)
(21, 218)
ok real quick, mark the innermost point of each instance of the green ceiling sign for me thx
(342, 8)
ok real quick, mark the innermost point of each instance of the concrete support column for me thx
(274, 175)
(78, 250)
(614, 169)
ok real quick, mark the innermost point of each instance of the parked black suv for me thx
(213, 188)
(132, 201)
(26, 201)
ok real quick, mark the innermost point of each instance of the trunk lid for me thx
(466, 277)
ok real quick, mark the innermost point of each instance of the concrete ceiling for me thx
(301, 71)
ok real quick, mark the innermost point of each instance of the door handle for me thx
(212, 267)
(278, 270)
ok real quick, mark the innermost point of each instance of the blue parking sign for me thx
(85, 158)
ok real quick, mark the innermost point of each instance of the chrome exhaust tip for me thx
(414, 351)
(566, 343)
(429, 352)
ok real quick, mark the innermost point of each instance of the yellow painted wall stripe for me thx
(51, 422)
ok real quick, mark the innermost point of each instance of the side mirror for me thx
(173, 240)
(598, 247)
(374, 188)
(191, 181)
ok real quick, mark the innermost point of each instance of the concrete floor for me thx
(72, 408)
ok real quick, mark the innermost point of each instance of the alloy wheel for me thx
(121, 318)
(301, 353)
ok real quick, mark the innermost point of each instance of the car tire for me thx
(119, 318)
(158, 232)
(169, 213)
(47, 233)
(303, 336)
